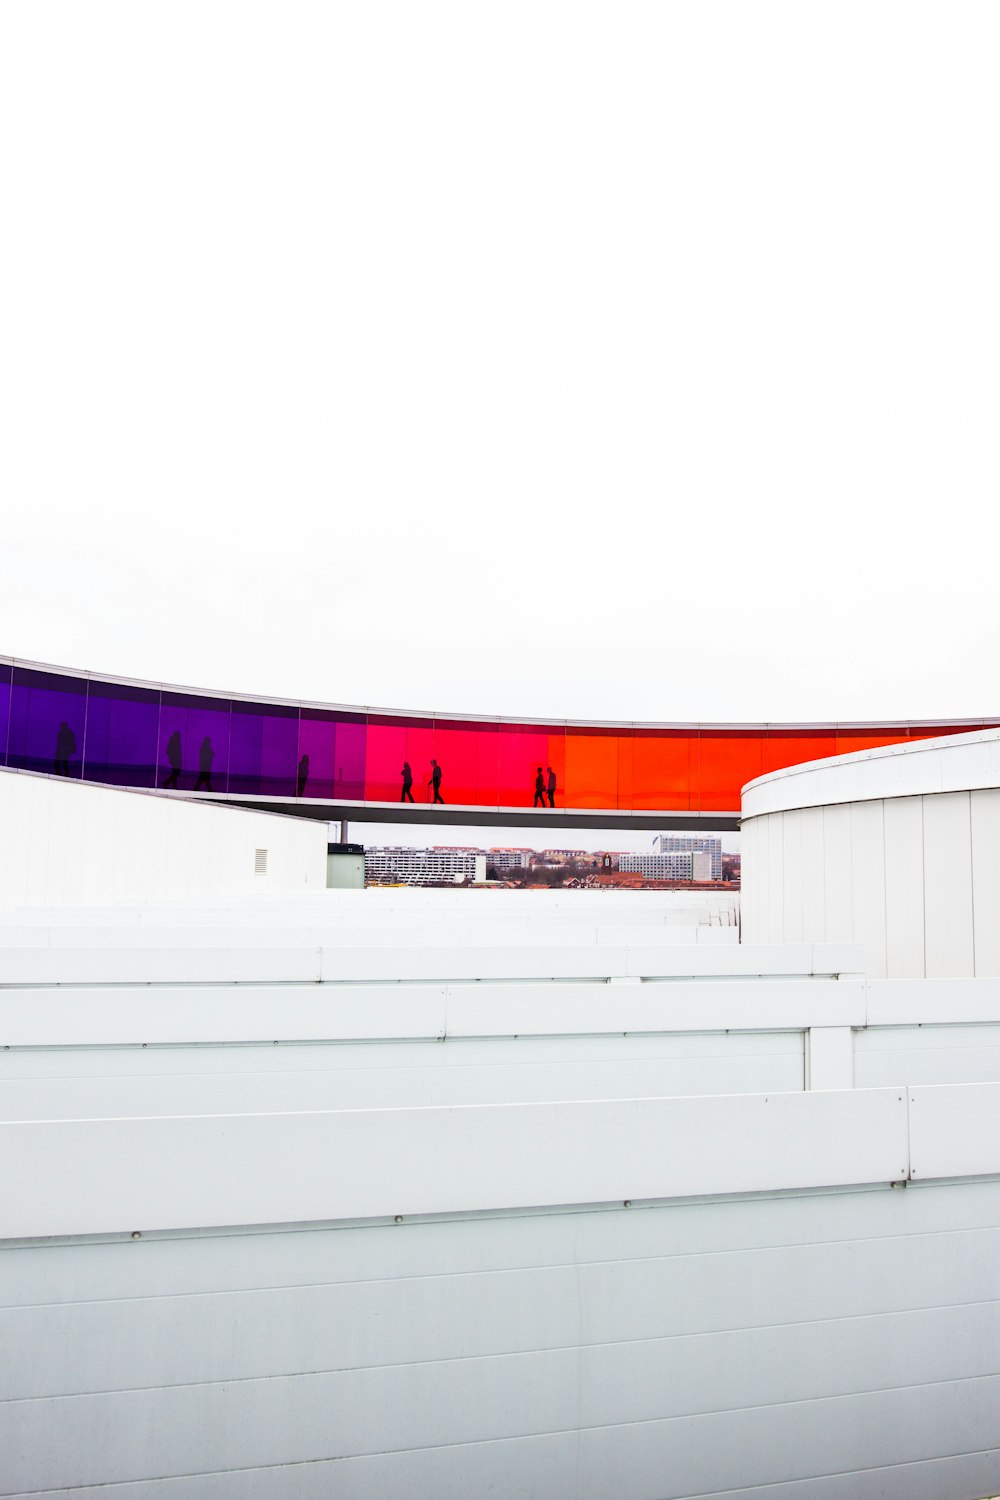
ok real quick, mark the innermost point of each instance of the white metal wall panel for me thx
(868, 884)
(178, 1014)
(954, 1123)
(948, 935)
(927, 1054)
(106, 1176)
(121, 1343)
(837, 874)
(904, 887)
(739, 1065)
(903, 1002)
(70, 842)
(352, 965)
(750, 912)
(985, 815)
(652, 1354)
(774, 878)
(812, 878)
(791, 885)
(305, 1418)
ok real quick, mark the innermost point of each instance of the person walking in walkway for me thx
(435, 782)
(406, 795)
(539, 789)
(206, 755)
(302, 777)
(550, 786)
(174, 760)
(65, 747)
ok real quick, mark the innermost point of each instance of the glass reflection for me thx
(47, 719)
(194, 740)
(120, 741)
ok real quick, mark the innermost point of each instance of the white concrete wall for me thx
(69, 843)
(347, 1215)
(894, 849)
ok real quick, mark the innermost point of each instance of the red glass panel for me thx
(522, 750)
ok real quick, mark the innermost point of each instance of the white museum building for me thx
(582, 1195)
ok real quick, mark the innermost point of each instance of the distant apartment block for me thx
(658, 866)
(503, 860)
(424, 866)
(672, 843)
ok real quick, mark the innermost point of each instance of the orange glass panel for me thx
(591, 768)
(849, 740)
(624, 743)
(727, 760)
(796, 746)
(661, 769)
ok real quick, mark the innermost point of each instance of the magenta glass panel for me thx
(263, 749)
(4, 711)
(48, 715)
(193, 743)
(121, 734)
(349, 761)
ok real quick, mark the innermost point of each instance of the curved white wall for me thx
(69, 842)
(898, 849)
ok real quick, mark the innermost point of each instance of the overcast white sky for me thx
(618, 360)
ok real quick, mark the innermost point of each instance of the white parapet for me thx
(892, 848)
(67, 843)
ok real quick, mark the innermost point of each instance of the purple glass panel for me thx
(48, 716)
(263, 746)
(5, 672)
(317, 741)
(121, 735)
(331, 755)
(193, 743)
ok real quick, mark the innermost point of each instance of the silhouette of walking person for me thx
(303, 777)
(206, 755)
(550, 786)
(406, 795)
(174, 759)
(65, 747)
(435, 782)
(539, 789)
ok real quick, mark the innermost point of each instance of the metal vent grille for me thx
(260, 861)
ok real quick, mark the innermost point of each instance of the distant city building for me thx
(508, 859)
(397, 866)
(672, 843)
(658, 866)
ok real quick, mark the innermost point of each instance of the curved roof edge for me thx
(952, 763)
